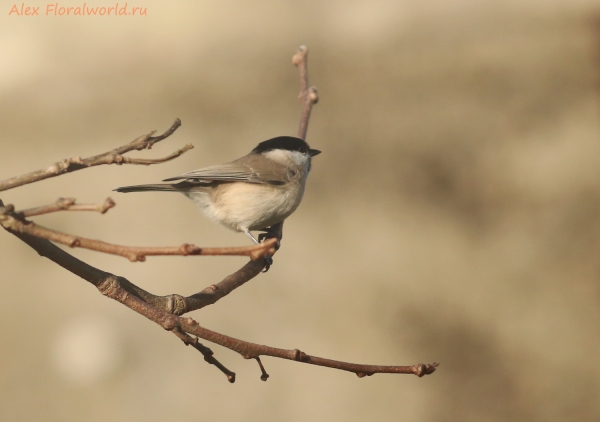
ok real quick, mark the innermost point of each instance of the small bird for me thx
(253, 192)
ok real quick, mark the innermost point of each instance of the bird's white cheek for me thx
(284, 157)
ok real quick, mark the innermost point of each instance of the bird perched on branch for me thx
(253, 192)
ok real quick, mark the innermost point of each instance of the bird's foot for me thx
(270, 234)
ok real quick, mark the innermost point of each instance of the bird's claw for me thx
(268, 263)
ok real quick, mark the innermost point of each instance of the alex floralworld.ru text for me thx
(55, 9)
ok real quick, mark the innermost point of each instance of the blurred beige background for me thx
(454, 214)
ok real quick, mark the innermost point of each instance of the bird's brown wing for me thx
(249, 169)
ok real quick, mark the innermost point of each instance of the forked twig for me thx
(114, 156)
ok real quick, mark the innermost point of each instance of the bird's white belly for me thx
(242, 206)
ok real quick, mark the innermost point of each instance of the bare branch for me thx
(110, 287)
(10, 221)
(68, 204)
(114, 156)
(114, 287)
(308, 96)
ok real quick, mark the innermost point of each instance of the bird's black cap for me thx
(288, 143)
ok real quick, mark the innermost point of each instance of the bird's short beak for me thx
(314, 152)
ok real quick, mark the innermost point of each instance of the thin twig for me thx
(208, 357)
(206, 352)
(214, 292)
(133, 253)
(68, 204)
(263, 376)
(114, 156)
(154, 139)
(308, 95)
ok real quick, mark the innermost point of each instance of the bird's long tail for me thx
(147, 188)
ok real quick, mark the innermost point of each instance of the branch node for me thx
(170, 323)
(64, 165)
(300, 55)
(176, 304)
(109, 286)
(190, 249)
(108, 204)
(190, 321)
(64, 203)
(134, 257)
(300, 356)
(53, 169)
(421, 369)
(363, 374)
(7, 209)
(117, 159)
(141, 142)
(313, 94)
